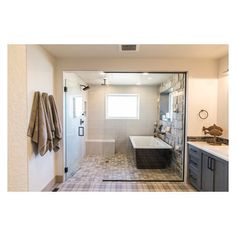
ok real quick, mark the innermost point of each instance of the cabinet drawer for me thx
(195, 162)
(195, 178)
(194, 151)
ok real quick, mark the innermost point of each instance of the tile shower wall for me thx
(175, 136)
(120, 130)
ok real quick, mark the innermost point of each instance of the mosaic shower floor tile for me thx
(119, 173)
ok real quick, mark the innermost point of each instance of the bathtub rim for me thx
(166, 145)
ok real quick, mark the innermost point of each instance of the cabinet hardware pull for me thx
(209, 163)
(212, 164)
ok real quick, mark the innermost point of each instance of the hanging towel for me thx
(38, 129)
(45, 141)
(57, 124)
(33, 122)
(51, 127)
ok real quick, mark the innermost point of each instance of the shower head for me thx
(84, 87)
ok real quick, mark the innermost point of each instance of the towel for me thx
(39, 128)
(50, 124)
(57, 124)
(33, 122)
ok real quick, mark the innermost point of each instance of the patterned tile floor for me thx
(95, 169)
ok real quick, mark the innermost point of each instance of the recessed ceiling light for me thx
(149, 78)
(145, 73)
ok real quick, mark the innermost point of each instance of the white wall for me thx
(17, 116)
(40, 77)
(222, 108)
(202, 94)
(120, 130)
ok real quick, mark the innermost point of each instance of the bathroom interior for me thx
(132, 117)
(132, 124)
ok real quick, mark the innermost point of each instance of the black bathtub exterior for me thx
(152, 158)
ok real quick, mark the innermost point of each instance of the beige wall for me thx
(30, 69)
(40, 77)
(202, 94)
(222, 101)
(17, 117)
(120, 130)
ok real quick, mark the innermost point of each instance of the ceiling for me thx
(213, 51)
(97, 78)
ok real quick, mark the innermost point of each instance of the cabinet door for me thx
(194, 178)
(220, 175)
(207, 173)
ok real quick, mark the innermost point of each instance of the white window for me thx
(122, 106)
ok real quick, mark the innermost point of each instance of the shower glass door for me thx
(74, 124)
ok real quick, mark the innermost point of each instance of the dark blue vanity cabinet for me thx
(195, 166)
(214, 173)
(207, 172)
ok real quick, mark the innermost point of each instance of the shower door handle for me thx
(81, 121)
(80, 131)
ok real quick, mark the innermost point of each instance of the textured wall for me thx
(17, 117)
(175, 136)
(120, 130)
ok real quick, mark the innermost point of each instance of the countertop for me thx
(219, 151)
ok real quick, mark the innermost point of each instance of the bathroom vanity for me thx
(208, 166)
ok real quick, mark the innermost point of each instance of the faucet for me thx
(158, 131)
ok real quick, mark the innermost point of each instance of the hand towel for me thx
(57, 124)
(38, 128)
(44, 137)
(33, 122)
(50, 124)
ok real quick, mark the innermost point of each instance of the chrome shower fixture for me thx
(84, 87)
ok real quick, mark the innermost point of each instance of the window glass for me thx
(122, 106)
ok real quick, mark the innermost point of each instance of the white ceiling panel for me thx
(213, 51)
(97, 78)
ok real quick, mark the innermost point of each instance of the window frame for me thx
(122, 95)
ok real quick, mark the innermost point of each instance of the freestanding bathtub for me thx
(150, 152)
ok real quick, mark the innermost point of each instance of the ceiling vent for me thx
(129, 48)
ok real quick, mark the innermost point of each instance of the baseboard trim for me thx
(51, 184)
(59, 179)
